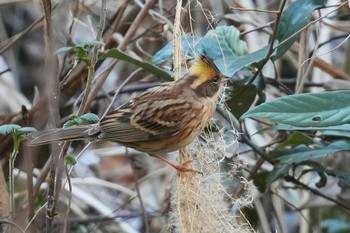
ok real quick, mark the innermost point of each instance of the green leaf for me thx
(344, 127)
(191, 45)
(223, 45)
(296, 138)
(89, 118)
(278, 172)
(334, 133)
(227, 40)
(242, 98)
(248, 60)
(71, 122)
(70, 160)
(344, 178)
(8, 128)
(115, 53)
(295, 17)
(63, 50)
(310, 109)
(336, 225)
(303, 152)
(259, 180)
(90, 44)
(81, 50)
(27, 129)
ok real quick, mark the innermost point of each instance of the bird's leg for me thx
(181, 168)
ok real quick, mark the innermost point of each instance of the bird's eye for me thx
(215, 79)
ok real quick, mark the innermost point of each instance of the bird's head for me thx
(205, 78)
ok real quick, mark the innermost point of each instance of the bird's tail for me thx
(56, 135)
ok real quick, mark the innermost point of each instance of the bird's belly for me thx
(170, 144)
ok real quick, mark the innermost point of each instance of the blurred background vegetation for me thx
(274, 159)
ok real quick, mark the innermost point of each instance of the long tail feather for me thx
(56, 135)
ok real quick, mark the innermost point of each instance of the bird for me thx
(162, 119)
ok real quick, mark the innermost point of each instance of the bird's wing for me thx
(150, 116)
(115, 126)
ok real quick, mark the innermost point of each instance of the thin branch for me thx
(137, 188)
(271, 48)
(102, 22)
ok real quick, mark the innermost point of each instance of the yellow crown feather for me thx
(204, 67)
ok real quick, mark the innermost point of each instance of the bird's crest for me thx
(204, 67)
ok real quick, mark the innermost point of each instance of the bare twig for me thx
(177, 40)
(271, 48)
(137, 187)
(93, 60)
(29, 171)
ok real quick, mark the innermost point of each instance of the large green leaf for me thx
(191, 45)
(294, 18)
(303, 152)
(223, 45)
(311, 109)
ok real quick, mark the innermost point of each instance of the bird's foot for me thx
(182, 167)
